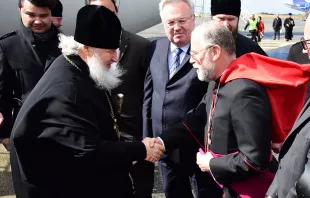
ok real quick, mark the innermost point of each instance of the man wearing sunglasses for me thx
(300, 52)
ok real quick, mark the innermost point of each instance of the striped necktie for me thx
(176, 62)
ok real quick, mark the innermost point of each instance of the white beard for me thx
(206, 72)
(105, 78)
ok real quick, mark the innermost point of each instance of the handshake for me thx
(154, 149)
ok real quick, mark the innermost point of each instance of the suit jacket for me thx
(167, 101)
(294, 157)
(133, 52)
(296, 55)
(63, 141)
(23, 61)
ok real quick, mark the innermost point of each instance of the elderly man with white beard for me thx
(65, 142)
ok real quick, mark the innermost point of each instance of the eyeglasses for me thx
(180, 22)
(304, 43)
(193, 55)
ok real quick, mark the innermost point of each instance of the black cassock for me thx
(241, 131)
(63, 141)
(288, 25)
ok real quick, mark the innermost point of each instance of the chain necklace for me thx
(116, 128)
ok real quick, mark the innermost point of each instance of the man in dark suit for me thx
(293, 176)
(171, 89)
(277, 25)
(57, 15)
(294, 169)
(299, 52)
(24, 56)
(65, 141)
(132, 59)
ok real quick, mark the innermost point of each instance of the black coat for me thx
(245, 45)
(294, 161)
(296, 55)
(167, 101)
(133, 52)
(277, 24)
(63, 141)
(22, 64)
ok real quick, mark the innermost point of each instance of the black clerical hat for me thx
(229, 7)
(57, 11)
(97, 26)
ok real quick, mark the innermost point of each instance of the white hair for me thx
(164, 2)
(68, 45)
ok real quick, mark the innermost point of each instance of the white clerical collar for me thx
(184, 48)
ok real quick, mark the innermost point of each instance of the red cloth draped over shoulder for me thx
(285, 83)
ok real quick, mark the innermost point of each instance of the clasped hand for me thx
(154, 149)
(203, 161)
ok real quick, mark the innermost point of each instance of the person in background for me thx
(57, 15)
(288, 25)
(298, 53)
(261, 28)
(132, 59)
(277, 25)
(228, 12)
(19, 72)
(253, 26)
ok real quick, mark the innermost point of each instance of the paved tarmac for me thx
(274, 48)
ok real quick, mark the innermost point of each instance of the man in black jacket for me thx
(289, 25)
(299, 52)
(65, 141)
(227, 12)
(132, 59)
(24, 56)
(277, 25)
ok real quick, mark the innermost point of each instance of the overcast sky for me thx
(256, 6)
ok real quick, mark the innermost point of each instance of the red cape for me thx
(285, 83)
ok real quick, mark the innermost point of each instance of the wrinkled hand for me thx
(1, 119)
(203, 161)
(6, 143)
(276, 147)
(154, 149)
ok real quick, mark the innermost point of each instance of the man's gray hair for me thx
(68, 45)
(215, 33)
(164, 2)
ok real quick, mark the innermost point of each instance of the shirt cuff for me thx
(213, 175)
(162, 142)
